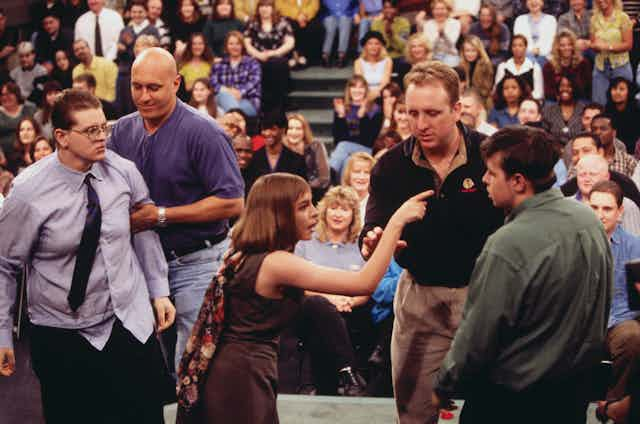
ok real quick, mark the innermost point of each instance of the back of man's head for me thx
(531, 152)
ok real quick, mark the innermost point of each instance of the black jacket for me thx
(289, 161)
(442, 247)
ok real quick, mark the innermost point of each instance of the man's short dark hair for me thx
(86, 78)
(531, 152)
(273, 119)
(592, 106)
(596, 140)
(69, 102)
(608, 186)
(605, 115)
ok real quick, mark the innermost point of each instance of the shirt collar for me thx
(74, 178)
(138, 28)
(534, 202)
(616, 237)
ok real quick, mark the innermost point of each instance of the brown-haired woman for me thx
(263, 285)
(189, 21)
(26, 132)
(222, 21)
(495, 36)
(40, 148)
(203, 99)
(566, 60)
(196, 60)
(12, 110)
(269, 39)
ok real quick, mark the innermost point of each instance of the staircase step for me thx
(318, 78)
(313, 99)
(320, 120)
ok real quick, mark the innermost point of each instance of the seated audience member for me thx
(103, 21)
(505, 10)
(592, 169)
(564, 118)
(623, 109)
(327, 321)
(390, 94)
(590, 110)
(299, 139)
(520, 65)
(63, 69)
(566, 60)
(604, 127)
(274, 156)
(611, 39)
(510, 92)
(495, 36)
(269, 39)
(337, 18)
(473, 113)
(41, 147)
(384, 142)
(234, 124)
(196, 60)
(394, 29)
(357, 175)
(623, 334)
(588, 143)
(138, 26)
(51, 38)
(539, 30)
(154, 15)
(374, 64)
(28, 70)
(236, 79)
(307, 29)
(416, 50)
(477, 67)
(221, 22)
(13, 110)
(400, 120)
(244, 151)
(356, 123)
(203, 99)
(188, 20)
(103, 70)
(442, 33)
(8, 43)
(367, 11)
(87, 82)
(26, 133)
(50, 93)
(578, 21)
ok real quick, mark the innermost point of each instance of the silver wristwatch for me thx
(162, 217)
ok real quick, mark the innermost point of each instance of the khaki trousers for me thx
(426, 319)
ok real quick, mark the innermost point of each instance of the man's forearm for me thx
(206, 210)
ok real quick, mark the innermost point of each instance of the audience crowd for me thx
(566, 66)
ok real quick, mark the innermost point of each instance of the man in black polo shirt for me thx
(439, 251)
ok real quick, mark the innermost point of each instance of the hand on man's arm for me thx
(7, 362)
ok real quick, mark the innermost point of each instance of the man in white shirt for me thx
(473, 112)
(109, 24)
(28, 70)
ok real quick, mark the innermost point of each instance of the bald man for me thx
(193, 176)
(593, 168)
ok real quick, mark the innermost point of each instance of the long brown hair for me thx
(275, 15)
(212, 107)
(554, 57)
(347, 92)
(268, 222)
(495, 31)
(18, 146)
(207, 55)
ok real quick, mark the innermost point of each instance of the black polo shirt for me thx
(442, 247)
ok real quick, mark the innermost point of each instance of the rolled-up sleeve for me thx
(19, 226)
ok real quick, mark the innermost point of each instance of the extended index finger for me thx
(424, 195)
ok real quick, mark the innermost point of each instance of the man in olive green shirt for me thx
(535, 321)
(395, 29)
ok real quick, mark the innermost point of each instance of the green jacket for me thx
(400, 29)
(538, 301)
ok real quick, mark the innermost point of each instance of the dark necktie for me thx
(87, 249)
(98, 37)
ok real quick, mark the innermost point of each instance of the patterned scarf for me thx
(205, 334)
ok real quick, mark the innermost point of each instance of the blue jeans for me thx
(363, 28)
(189, 278)
(343, 25)
(226, 101)
(341, 154)
(601, 79)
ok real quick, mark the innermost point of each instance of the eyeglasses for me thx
(93, 133)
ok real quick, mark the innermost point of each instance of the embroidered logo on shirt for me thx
(468, 186)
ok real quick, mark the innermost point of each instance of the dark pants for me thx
(309, 40)
(275, 84)
(562, 402)
(80, 384)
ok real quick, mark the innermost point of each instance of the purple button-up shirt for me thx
(41, 223)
